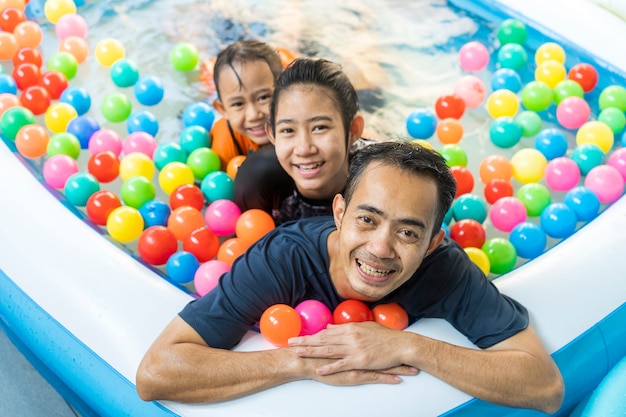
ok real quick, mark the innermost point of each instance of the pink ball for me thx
(573, 112)
(139, 142)
(473, 56)
(208, 275)
(315, 316)
(562, 174)
(618, 161)
(472, 90)
(71, 25)
(506, 213)
(105, 140)
(221, 217)
(57, 169)
(606, 181)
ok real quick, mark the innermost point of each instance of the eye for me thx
(265, 97)
(365, 220)
(286, 131)
(319, 128)
(408, 235)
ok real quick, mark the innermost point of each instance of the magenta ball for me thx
(472, 90)
(208, 275)
(562, 174)
(573, 112)
(139, 142)
(315, 316)
(105, 140)
(506, 213)
(221, 217)
(618, 161)
(57, 169)
(473, 56)
(606, 181)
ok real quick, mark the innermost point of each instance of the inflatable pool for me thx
(84, 312)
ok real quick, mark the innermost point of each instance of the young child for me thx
(244, 76)
(314, 124)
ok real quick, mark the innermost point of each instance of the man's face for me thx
(384, 233)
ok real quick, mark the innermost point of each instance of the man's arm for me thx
(517, 372)
(179, 366)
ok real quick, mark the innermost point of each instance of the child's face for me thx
(245, 98)
(310, 140)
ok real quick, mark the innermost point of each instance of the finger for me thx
(325, 352)
(401, 370)
(366, 377)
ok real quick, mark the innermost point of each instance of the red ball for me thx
(497, 189)
(585, 75)
(352, 311)
(105, 166)
(187, 195)
(27, 55)
(26, 75)
(10, 18)
(100, 205)
(156, 244)
(203, 243)
(464, 180)
(55, 82)
(36, 99)
(468, 233)
(391, 315)
(450, 106)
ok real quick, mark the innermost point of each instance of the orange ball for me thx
(31, 141)
(279, 323)
(231, 249)
(253, 224)
(391, 315)
(450, 131)
(495, 167)
(184, 220)
(233, 165)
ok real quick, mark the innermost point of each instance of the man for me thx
(383, 244)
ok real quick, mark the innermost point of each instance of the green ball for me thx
(15, 118)
(79, 187)
(168, 152)
(65, 63)
(194, 137)
(614, 118)
(136, 191)
(535, 197)
(530, 122)
(613, 96)
(116, 107)
(512, 31)
(124, 73)
(536, 96)
(512, 56)
(203, 161)
(64, 143)
(501, 253)
(567, 88)
(454, 155)
(184, 57)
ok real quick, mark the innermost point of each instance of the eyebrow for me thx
(312, 119)
(408, 220)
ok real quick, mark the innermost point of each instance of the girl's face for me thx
(310, 140)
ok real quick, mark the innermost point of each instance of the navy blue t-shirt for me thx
(290, 265)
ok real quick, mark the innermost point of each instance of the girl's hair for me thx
(322, 73)
(415, 159)
(246, 51)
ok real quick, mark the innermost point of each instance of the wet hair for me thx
(322, 73)
(246, 51)
(414, 159)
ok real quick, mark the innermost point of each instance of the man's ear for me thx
(356, 129)
(435, 241)
(270, 133)
(339, 209)
(219, 106)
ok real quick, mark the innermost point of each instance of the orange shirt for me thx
(227, 143)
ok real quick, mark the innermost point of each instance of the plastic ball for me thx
(7, 101)
(549, 51)
(512, 56)
(528, 239)
(613, 96)
(512, 31)
(221, 216)
(468, 233)
(536, 96)
(156, 244)
(155, 213)
(194, 137)
(550, 72)
(100, 204)
(352, 311)
(136, 164)
(142, 121)
(31, 141)
(26, 75)
(167, 152)
(587, 156)
(473, 56)
(184, 57)
(567, 88)
(36, 99)
(141, 142)
(471, 90)
(314, 315)
(136, 191)
(28, 34)
(279, 323)
(501, 253)
(495, 167)
(573, 112)
(504, 132)
(83, 127)
(506, 213)
(8, 46)
(149, 90)
(203, 243)
(496, 189)
(11, 17)
(124, 224)
(71, 24)
(233, 165)
(181, 267)
(55, 9)
(558, 220)
(618, 161)
(65, 63)
(105, 166)
(502, 103)
(109, 50)
(124, 73)
(552, 143)
(530, 123)
(454, 155)
(57, 169)
(391, 315)
(75, 46)
(187, 195)
(116, 107)
(507, 79)
(217, 185)
(479, 258)
(607, 182)
(469, 206)
(184, 220)
(198, 114)
(585, 75)
(464, 180)
(203, 161)
(528, 165)
(584, 202)
(421, 123)
(231, 249)
(79, 187)
(15, 118)
(535, 197)
(58, 116)
(613, 118)
(597, 133)
(173, 175)
(207, 276)
(253, 224)
(7, 84)
(77, 97)
(562, 174)
(449, 106)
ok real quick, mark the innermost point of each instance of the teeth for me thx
(373, 272)
(309, 167)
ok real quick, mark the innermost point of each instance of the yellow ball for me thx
(550, 72)
(58, 116)
(423, 143)
(136, 164)
(529, 165)
(55, 9)
(548, 51)
(480, 258)
(125, 224)
(108, 51)
(596, 132)
(173, 175)
(502, 103)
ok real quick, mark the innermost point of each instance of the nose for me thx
(380, 243)
(304, 144)
(254, 111)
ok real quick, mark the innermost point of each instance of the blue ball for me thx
(77, 97)
(552, 143)
(142, 121)
(83, 127)
(79, 187)
(149, 90)
(7, 84)
(584, 202)
(155, 213)
(558, 220)
(181, 267)
(198, 114)
(421, 123)
(507, 79)
(504, 132)
(528, 239)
